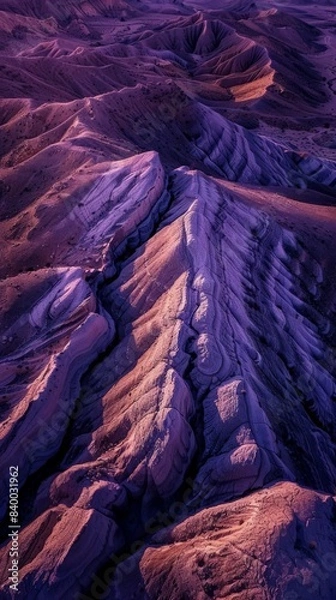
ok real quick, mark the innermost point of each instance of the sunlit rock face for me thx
(167, 348)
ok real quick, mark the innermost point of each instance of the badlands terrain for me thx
(167, 298)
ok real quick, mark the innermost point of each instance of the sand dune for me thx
(167, 348)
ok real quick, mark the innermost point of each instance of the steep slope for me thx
(212, 301)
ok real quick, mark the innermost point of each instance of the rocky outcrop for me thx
(60, 336)
(228, 551)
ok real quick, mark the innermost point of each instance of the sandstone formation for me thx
(168, 316)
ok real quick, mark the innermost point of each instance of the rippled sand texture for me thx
(168, 317)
